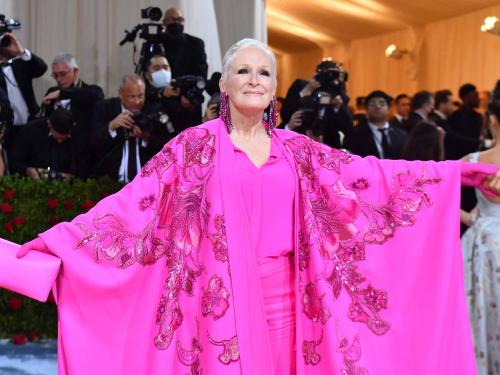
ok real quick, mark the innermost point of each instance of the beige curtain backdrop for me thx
(92, 30)
(443, 54)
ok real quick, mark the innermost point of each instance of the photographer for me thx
(318, 107)
(162, 96)
(124, 136)
(185, 52)
(73, 94)
(44, 148)
(19, 68)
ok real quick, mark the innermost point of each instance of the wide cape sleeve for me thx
(380, 275)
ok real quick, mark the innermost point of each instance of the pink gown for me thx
(162, 278)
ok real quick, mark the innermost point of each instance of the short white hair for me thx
(68, 58)
(242, 44)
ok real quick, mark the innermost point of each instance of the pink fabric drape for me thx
(161, 278)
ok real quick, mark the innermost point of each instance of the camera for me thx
(191, 87)
(146, 122)
(332, 80)
(6, 26)
(314, 109)
(151, 32)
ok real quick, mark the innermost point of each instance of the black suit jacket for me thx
(83, 99)
(25, 72)
(361, 141)
(34, 147)
(106, 150)
(186, 55)
(466, 125)
(292, 99)
(412, 120)
(6, 114)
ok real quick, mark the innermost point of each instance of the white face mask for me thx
(161, 78)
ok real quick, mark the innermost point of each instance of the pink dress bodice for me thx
(267, 197)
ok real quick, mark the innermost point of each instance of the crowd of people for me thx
(77, 132)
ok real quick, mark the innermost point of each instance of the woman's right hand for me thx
(36, 245)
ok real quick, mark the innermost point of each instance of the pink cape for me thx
(160, 277)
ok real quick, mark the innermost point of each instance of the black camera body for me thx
(146, 122)
(191, 87)
(332, 80)
(7, 25)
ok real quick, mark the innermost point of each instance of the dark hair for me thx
(148, 61)
(399, 97)
(465, 90)
(423, 143)
(61, 120)
(420, 99)
(325, 65)
(494, 105)
(378, 94)
(442, 96)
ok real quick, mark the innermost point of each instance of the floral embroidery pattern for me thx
(311, 357)
(231, 351)
(312, 305)
(190, 357)
(329, 214)
(159, 163)
(199, 148)
(351, 354)
(219, 241)
(146, 202)
(215, 299)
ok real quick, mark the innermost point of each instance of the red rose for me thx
(53, 220)
(19, 339)
(68, 205)
(9, 194)
(9, 227)
(19, 220)
(87, 205)
(33, 336)
(52, 203)
(15, 303)
(6, 208)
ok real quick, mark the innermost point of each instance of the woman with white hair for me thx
(244, 249)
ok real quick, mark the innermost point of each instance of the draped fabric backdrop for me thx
(92, 30)
(443, 54)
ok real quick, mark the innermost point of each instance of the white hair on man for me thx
(68, 58)
(130, 78)
(242, 44)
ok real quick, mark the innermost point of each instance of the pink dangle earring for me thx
(224, 112)
(273, 116)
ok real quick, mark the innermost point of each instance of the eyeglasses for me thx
(174, 19)
(60, 74)
(377, 103)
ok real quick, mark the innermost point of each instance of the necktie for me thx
(386, 147)
(132, 162)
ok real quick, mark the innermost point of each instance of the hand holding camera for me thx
(10, 47)
(123, 120)
(53, 96)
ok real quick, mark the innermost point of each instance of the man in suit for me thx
(376, 137)
(73, 94)
(120, 143)
(46, 145)
(19, 68)
(185, 53)
(401, 111)
(422, 104)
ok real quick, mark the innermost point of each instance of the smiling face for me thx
(250, 82)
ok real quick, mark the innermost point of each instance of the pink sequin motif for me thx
(330, 214)
(231, 351)
(313, 306)
(219, 242)
(311, 357)
(351, 354)
(190, 357)
(215, 298)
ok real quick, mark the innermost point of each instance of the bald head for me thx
(173, 22)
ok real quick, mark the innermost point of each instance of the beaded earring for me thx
(224, 111)
(273, 116)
